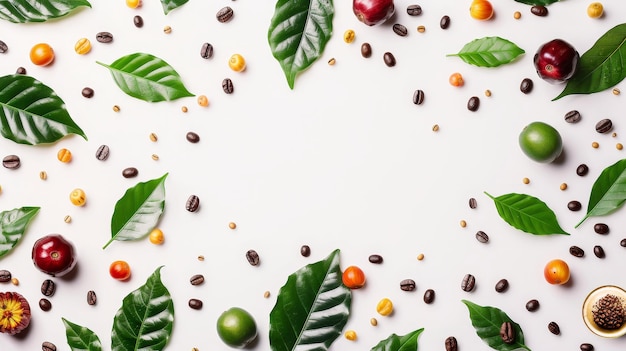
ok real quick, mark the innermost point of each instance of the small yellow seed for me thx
(614, 134)
(348, 36)
(420, 257)
(616, 91)
(64, 155)
(67, 219)
(526, 180)
(0, 189)
(232, 225)
(595, 145)
(200, 258)
(116, 108)
(78, 197)
(184, 109)
(153, 137)
(384, 307)
(487, 93)
(167, 29)
(15, 281)
(266, 294)
(435, 128)
(373, 322)
(133, 4)
(463, 223)
(619, 146)
(195, 349)
(517, 15)
(332, 61)
(156, 236)
(43, 175)
(350, 335)
(203, 101)
(563, 186)
(155, 157)
(421, 29)
(82, 46)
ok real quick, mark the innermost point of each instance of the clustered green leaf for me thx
(24, 11)
(13, 225)
(608, 192)
(487, 321)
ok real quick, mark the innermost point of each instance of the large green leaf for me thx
(298, 33)
(602, 66)
(147, 77)
(311, 309)
(13, 224)
(538, 2)
(146, 318)
(487, 321)
(394, 342)
(81, 338)
(489, 52)
(608, 192)
(32, 113)
(527, 213)
(138, 211)
(169, 5)
(22, 11)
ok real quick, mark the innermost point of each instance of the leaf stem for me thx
(108, 243)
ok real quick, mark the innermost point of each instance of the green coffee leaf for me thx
(31, 113)
(147, 77)
(487, 321)
(138, 211)
(538, 2)
(23, 11)
(169, 5)
(394, 342)
(489, 52)
(298, 33)
(81, 338)
(601, 67)
(13, 224)
(146, 318)
(527, 213)
(311, 309)
(608, 192)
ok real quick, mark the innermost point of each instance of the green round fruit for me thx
(541, 142)
(236, 327)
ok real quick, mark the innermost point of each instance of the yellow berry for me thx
(133, 4)
(595, 10)
(350, 335)
(82, 46)
(64, 155)
(78, 197)
(348, 36)
(384, 307)
(203, 101)
(156, 236)
(237, 63)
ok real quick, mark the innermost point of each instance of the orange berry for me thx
(556, 272)
(456, 80)
(481, 10)
(42, 54)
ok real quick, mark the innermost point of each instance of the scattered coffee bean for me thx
(554, 328)
(253, 257)
(138, 21)
(225, 14)
(601, 228)
(418, 97)
(400, 29)
(414, 10)
(48, 346)
(305, 250)
(526, 86)
(482, 237)
(622, 243)
(407, 285)
(92, 299)
(389, 59)
(192, 137)
(366, 50)
(473, 203)
(572, 116)
(539, 10)
(576, 251)
(20, 70)
(11, 162)
(429, 296)
(5, 276)
(468, 283)
(376, 259)
(582, 170)
(586, 347)
(104, 37)
(102, 153)
(193, 203)
(574, 205)
(195, 304)
(130, 172)
(451, 344)
(473, 103)
(87, 92)
(444, 22)
(599, 251)
(48, 287)
(507, 333)
(196, 279)
(206, 52)
(45, 304)
(3, 47)
(532, 305)
(604, 126)
(502, 285)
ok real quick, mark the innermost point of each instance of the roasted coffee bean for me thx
(576, 251)
(468, 282)
(502, 285)
(92, 299)
(192, 137)
(429, 296)
(604, 126)
(407, 285)
(45, 305)
(225, 14)
(3, 47)
(11, 162)
(196, 279)
(482, 237)
(532, 305)
(539, 10)
(572, 116)
(526, 86)
(252, 257)
(102, 153)
(206, 52)
(87, 92)
(130, 172)
(444, 22)
(305, 251)
(104, 37)
(389, 59)
(414, 10)
(473, 103)
(193, 203)
(400, 29)
(451, 344)
(138, 21)
(48, 346)
(20, 70)
(366, 50)
(574, 205)
(5, 276)
(507, 333)
(582, 170)
(554, 328)
(48, 287)
(599, 251)
(418, 97)
(601, 228)
(473, 203)
(376, 259)
(622, 243)
(227, 86)
(586, 347)
(195, 304)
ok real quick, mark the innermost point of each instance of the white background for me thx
(343, 161)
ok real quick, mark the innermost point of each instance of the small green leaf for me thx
(23, 11)
(489, 52)
(138, 211)
(81, 338)
(527, 213)
(31, 113)
(487, 321)
(601, 67)
(538, 2)
(298, 34)
(146, 318)
(169, 5)
(608, 192)
(394, 342)
(13, 224)
(147, 77)
(311, 309)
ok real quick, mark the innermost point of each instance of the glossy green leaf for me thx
(394, 342)
(81, 338)
(527, 213)
(487, 321)
(169, 5)
(311, 309)
(489, 52)
(147, 77)
(23, 11)
(146, 318)
(601, 67)
(538, 2)
(32, 113)
(608, 192)
(138, 211)
(13, 224)
(298, 33)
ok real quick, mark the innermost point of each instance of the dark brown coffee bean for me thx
(92, 299)
(20, 70)
(622, 243)
(366, 50)
(48, 346)
(227, 86)
(539, 10)
(104, 37)
(5, 276)
(586, 347)
(468, 283)
(482, 237)
(507, 333)
(130, 172)
(252, 257)
(407, 285)
(305, 251)
(473, 203)
(429, 296)
(102, 153)
(192, 137)
(582, 170)
(601, 228)
(196, 279)
(554, 328)
(195, 304)
(193, 203)
(389, 59)
(473, 103)
(572, 116)
(502, 285)
(599, 251)
(444, 22)
(400, 29)
(526, 86)
(604, 126)
(376, 259)
(3, 47)
(574, 205)
(418, 97)
(206, 52)
(532, 305)
(451, 344)
(48, 287)
(414, 10)
(576, 251)
(87, 92)
(225, 14)
(45, 305)
(138, 21)
(11, 162)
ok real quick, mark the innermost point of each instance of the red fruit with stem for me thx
(556, 61)
(54, 255)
